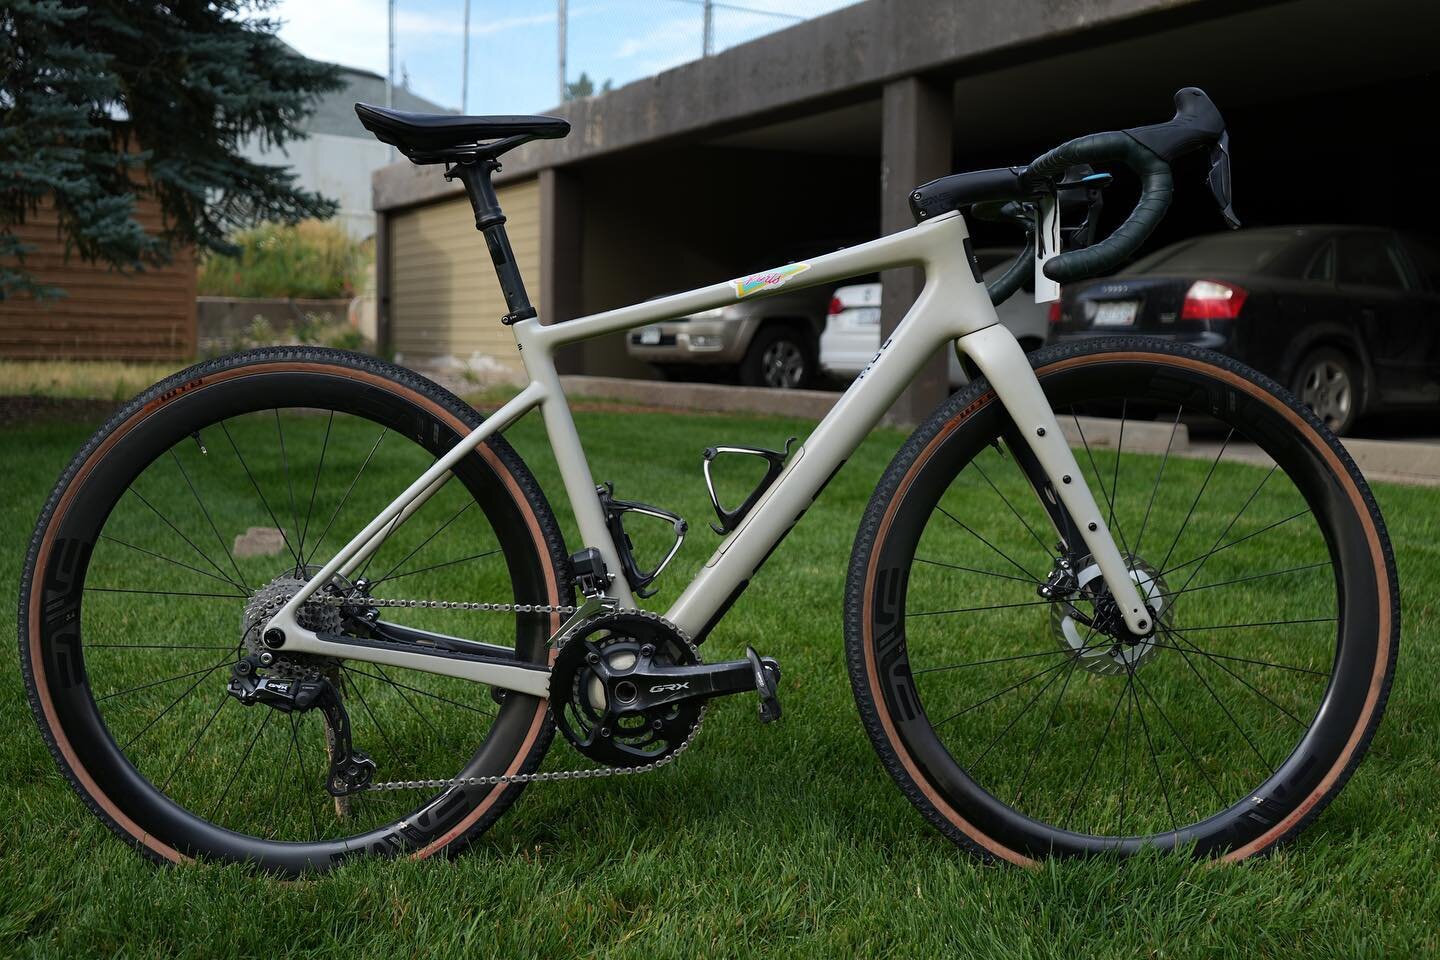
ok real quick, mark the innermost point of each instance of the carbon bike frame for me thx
(952, 306)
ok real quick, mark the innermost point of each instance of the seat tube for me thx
(490, 221)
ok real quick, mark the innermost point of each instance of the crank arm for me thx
(656, 686)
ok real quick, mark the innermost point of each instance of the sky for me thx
(514, 48)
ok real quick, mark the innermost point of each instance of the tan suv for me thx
(772, 342)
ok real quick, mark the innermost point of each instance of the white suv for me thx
(852, 324)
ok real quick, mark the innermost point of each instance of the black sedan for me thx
(1347, 317)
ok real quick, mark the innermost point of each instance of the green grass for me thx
(787, 840)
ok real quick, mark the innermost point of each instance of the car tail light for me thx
(835, 307)
(1213, 300)
(1054, 311)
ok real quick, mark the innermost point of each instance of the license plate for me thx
(650, 336)
(865, 316)
(1120, 313)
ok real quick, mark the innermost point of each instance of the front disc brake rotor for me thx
(1125, 653)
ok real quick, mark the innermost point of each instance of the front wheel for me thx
(1026, 725)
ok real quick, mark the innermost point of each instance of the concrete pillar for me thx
(916, 132)
(560, 256)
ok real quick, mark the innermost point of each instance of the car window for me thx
(1369, 260)
(1322, 265)
(1426, 257)
(1242, 252)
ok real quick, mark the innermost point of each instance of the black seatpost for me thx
(475, 174)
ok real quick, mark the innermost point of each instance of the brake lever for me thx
(1219, 179)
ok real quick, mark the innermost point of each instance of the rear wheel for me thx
(187, 519)
(1025, 724)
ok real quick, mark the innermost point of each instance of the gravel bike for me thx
(1064, 637)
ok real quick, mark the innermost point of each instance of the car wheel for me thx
(778, 357)
(1330, 382)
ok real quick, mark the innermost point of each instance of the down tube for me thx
(928, 325)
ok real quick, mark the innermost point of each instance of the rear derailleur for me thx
(351, 770)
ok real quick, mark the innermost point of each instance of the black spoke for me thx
(156, 719)
(165, 593)
(1254, 689)
(284, 771)
(1184, 745)
(359, 695)
(304, 780)
(1221, 704)
(1259, 663)
(219, 540)
(155, 683)
(178, 563)
(263, 502)
(1010, 506)
(1239, 540)
(193, 546)
(437, 566)
(348, 490)
(1180, 531)
(993, 696)
(1090, 767)
(224, 697)
(314, 487)
(1228, 527)
(1159, 475)
(1154, 758)
(993, 606)
(159, 646)
(426, 542)
(1070, 667)
(1002, 553)
(981, 663)
(290, 485)
(1260, 623)
(1049, 722)
(234, 774)
(400, 689)
(385, 678)
(987, 573)
(1245, 579)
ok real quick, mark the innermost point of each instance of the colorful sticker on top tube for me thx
(757, 282)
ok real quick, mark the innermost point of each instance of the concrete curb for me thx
(1410, 462)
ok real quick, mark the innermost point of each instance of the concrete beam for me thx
(915, 147)
(561, 228)
(842, 57)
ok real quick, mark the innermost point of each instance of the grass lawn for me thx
(786, 840)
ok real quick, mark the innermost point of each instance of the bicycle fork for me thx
(1040, 447)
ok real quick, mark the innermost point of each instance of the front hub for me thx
(1100, 640)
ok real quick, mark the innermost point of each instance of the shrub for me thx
(311, 259)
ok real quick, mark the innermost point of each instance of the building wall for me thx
(105, 315)
(335, 166)
(445, 303)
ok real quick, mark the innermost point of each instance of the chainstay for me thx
(587, 773)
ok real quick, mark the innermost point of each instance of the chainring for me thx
(588, 689)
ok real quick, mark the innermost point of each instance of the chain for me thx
(334, 600)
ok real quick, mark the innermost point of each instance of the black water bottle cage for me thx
(775, 463)
(615, 511)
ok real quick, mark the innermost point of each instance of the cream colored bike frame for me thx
(953, 306)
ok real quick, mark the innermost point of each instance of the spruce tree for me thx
(105, 100)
